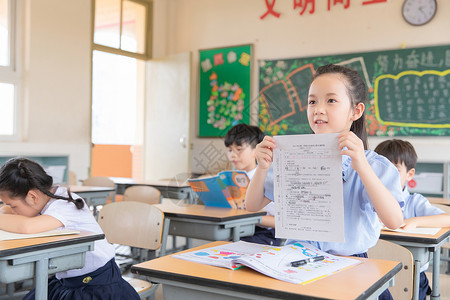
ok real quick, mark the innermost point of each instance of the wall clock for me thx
(419, 12)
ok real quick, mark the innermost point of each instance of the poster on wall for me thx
(408, 91)
(224, 89)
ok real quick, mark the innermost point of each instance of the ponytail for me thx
(357, 92)
(20, 175)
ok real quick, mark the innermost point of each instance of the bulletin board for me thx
(408, 91)
(224, 89)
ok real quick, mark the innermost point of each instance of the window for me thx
(9, 76)
(7, 109)
(4, 33)
(123, 25)
(116, 99)
(121, 44)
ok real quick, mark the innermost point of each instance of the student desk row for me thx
(208, 223)
(93, 195)
(168, 188)
(39, 257)
(189, 280)
(436, 200)
(422, 247)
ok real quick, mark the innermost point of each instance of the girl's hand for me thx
(409, 224)
(264, 152)
(355, 149)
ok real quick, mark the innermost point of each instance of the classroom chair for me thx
(142, 193)
(139, 225)
(72, 178)
(101, 181)
(446, 247)
(403, 288)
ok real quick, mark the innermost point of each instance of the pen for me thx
(307, 260)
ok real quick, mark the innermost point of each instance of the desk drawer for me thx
(12, 272)
(210, 232)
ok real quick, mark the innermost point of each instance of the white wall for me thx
(55, 106)
(190, 25)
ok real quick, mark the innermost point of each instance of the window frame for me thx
(148, 30)
(12, 74)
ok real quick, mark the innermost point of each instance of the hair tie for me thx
(22, 171)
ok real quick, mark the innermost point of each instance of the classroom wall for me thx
(56, 72)
(190, 25)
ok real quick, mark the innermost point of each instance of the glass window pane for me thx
(4, 33)
(6, 109)
(107, 23)
(115, 98)
(133, 27)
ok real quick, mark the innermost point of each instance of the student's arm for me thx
(22, 224)
(268, 221)
(254, 198)
(442, 220)
(383, 201)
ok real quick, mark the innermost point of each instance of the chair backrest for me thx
(142, 193)
(72, 178)
(99, 181)
(386, 250)
(134, 224)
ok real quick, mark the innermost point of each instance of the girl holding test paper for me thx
(371, 184)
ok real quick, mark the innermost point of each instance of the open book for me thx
(6, 235)
(273, 261)
(226, 189)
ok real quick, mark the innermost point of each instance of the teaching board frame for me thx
(224, 89)
(408, 91)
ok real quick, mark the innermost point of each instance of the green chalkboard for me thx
(224, 89)
(408, 91)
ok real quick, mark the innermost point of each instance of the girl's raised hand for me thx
(264, 152)
(352, 146)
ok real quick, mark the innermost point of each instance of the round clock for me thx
(419, 12)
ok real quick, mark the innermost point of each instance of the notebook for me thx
(6, 235)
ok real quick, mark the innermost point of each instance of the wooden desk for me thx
(421, 247)
(209, 223)
(39, 257)
(436, 200)
(189, 280)
(93, 195)
(168, 188)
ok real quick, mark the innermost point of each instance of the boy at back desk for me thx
(241, 141)
(417, 211)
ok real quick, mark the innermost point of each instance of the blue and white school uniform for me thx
(361, 224)
(263, 235)
(417, 205)
(100, 278)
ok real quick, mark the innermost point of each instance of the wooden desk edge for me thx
(248, 288)
(178, 212)
(41, 243)
(419, 238)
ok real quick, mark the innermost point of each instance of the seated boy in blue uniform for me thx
(241, 141)
(417, 212)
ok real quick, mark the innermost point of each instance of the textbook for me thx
(226, 189)
(273, 261)
(6, 235)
